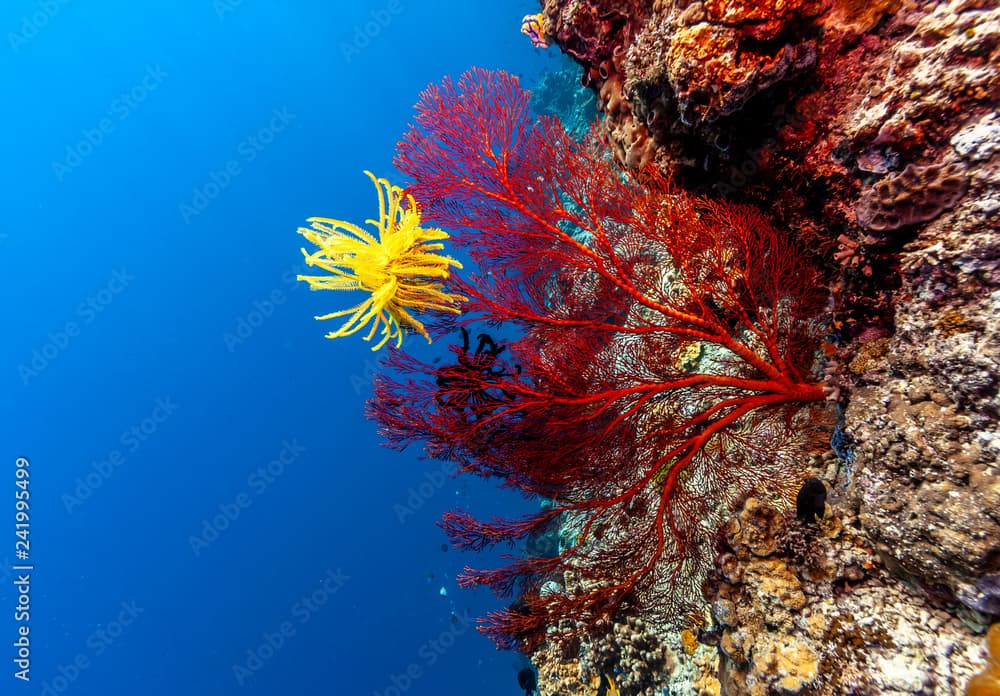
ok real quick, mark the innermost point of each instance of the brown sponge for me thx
(916, 194)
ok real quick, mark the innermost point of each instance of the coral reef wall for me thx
(869, 129)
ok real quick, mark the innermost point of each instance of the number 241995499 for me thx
(22, 517)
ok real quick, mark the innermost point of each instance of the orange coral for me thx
(760, 19)
(987, 682)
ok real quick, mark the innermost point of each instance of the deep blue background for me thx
(96, 244)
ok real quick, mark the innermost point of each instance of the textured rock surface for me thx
(924, 417)
(819, 616)
(925, 421)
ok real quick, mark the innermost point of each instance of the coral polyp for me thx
(400, 268)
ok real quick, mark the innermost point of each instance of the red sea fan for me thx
(659, 368)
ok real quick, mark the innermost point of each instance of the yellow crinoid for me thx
(400, 268)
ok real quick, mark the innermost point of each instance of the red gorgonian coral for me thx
(659, 366)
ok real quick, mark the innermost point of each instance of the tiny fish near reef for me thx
(526, 680)
(810, 503)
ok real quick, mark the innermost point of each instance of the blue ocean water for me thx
(209, 511)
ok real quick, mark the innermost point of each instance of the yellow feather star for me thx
(399, 268)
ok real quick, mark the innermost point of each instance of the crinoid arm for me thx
(399, 267)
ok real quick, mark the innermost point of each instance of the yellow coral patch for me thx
(689, 640)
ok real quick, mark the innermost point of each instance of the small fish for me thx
(810, 503)
(526, 680)
(531, 26)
